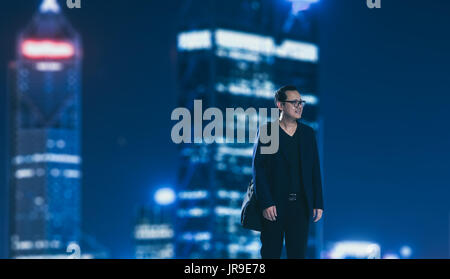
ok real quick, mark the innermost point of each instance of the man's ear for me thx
(279, 105)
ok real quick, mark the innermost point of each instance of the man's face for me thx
(290, 109)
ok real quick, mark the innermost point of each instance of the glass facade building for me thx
(235, 54)
(154, 234)
(45, 124)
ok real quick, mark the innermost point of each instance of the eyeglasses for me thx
(296, 103)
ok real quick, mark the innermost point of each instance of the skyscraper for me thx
(154, 234)
(45, 124)
(154, 230)
(236, 54)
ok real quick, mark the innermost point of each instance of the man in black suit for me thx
(288, 183)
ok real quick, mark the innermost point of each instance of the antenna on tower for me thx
(49, 6)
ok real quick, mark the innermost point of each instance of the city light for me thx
(298, 51)
(232, 195)
(311, 100)
(164, 196)
(47, 49)
(355, 249)
(38, 244)
(227, 211)
(192, 195)
(196, 236)
(301, 5)
(232, 151)
(160, 231)
(47, 158)
(193, 40)
(405, 251)
(49, 6)
(24, 173)
(49, 66)
(390, 256)
(243, 40)
(305, 1)
(247, 46)
(193, 212)
(72, 173)
(265, 45)
(254, 87)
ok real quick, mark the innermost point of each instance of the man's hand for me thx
(317, 213)
(270, 213)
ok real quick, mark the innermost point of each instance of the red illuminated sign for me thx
(47, 49)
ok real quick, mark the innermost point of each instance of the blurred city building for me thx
(357, 249)
(154, 235)
(350, 249)
(234, 54)
(44, 86)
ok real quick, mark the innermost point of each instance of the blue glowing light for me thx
(164, 196)
(301, 5)
(48, 6)
(355, 249)
(405, 251)
(390, 256)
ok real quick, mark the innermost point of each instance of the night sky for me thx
(384, 86)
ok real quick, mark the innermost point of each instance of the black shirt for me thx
(290, 147)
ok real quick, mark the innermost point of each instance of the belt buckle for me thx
(292, 197)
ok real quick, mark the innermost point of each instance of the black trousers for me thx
(291, 224)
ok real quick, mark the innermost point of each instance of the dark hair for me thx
(280, 94)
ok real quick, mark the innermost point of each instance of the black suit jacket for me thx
(270, 172)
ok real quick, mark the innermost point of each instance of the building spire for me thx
(49, 6)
